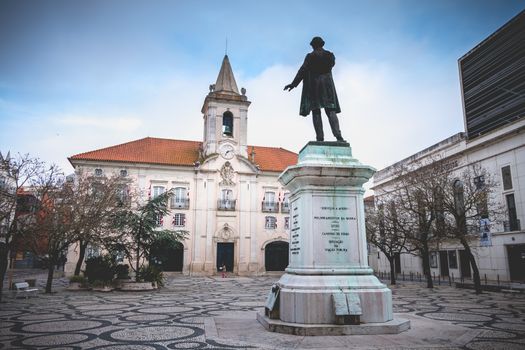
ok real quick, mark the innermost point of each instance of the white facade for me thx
(223, 190)
(504, 147)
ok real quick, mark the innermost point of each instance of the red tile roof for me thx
(152, 150)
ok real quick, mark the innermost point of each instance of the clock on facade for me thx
(226, 151)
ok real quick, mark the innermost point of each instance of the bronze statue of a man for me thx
(318, 89)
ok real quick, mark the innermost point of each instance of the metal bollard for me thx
(498, 279)
(449, 281)
(403, 276)
(485, 279)
(452, 278)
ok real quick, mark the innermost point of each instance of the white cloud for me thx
(122, 124)
(386, 115)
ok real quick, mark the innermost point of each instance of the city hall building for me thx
(492, 78)
(225, 192)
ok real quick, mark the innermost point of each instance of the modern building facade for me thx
(493, 90)
(226, 193)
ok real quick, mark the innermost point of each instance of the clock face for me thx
(226, 151)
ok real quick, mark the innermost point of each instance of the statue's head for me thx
(317, 42)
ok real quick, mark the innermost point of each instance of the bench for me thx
(23, 288)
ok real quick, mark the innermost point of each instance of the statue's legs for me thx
(318, 124)
(334, 124)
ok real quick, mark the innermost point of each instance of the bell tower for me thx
(225, 113)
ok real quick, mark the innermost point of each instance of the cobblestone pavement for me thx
(174, 317)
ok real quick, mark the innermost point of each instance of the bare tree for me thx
(95, 200)
(45, 227)
(15, 173)
(470, 206)
(417, 194)
(68, 212)
(383, 231)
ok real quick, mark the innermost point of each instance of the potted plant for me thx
(101, 286)
(100, 272)
(122, 272)
(149, 278)
(151, 274)
(77, 283)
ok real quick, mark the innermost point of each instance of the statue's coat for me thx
(318, 84)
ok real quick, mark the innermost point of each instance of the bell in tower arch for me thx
(227, 124)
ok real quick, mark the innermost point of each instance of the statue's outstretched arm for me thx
(299, 76)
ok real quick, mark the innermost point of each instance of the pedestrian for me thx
(223, 270)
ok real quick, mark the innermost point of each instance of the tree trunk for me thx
(426, 266)
(137, 262)
(392, 269)
(4, 262)
(50, 270)
(475, 277)
(81, 254)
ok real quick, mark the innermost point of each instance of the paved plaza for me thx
(215, 313)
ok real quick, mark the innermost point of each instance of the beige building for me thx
(226, 193)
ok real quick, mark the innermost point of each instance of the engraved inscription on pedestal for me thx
(295, 233)
(334, 221)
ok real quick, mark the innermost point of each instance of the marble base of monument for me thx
(394, 326)
(328, 280)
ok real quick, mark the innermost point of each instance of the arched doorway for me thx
(276, 256)
(167, 256)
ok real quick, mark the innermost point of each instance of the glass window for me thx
(227, 201)
(433, 260)
(179, 219)
(179, 194)
(227, 124)
(226, 194)
(123, 194)
(92, 251)
(98, 172)
(507, 177)
(157, 191)
(269, 202)
(269, 197)
(159, 220)
(513, 223)
(452, 259)
(270, 223)
(286, 200)
(479, 182)
(179, 197)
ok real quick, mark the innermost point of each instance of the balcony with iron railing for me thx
(270, 207)
(180, 203)
(285, 207)
(511, 225)
(226, 204)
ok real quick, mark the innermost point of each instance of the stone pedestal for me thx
(328, 252)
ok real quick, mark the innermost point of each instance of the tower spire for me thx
(226, 81)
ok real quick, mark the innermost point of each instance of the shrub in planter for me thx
(102, 286)
(81, 280)
(151, 274)
(100, 268)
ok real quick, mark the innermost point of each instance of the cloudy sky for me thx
(80, 75)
